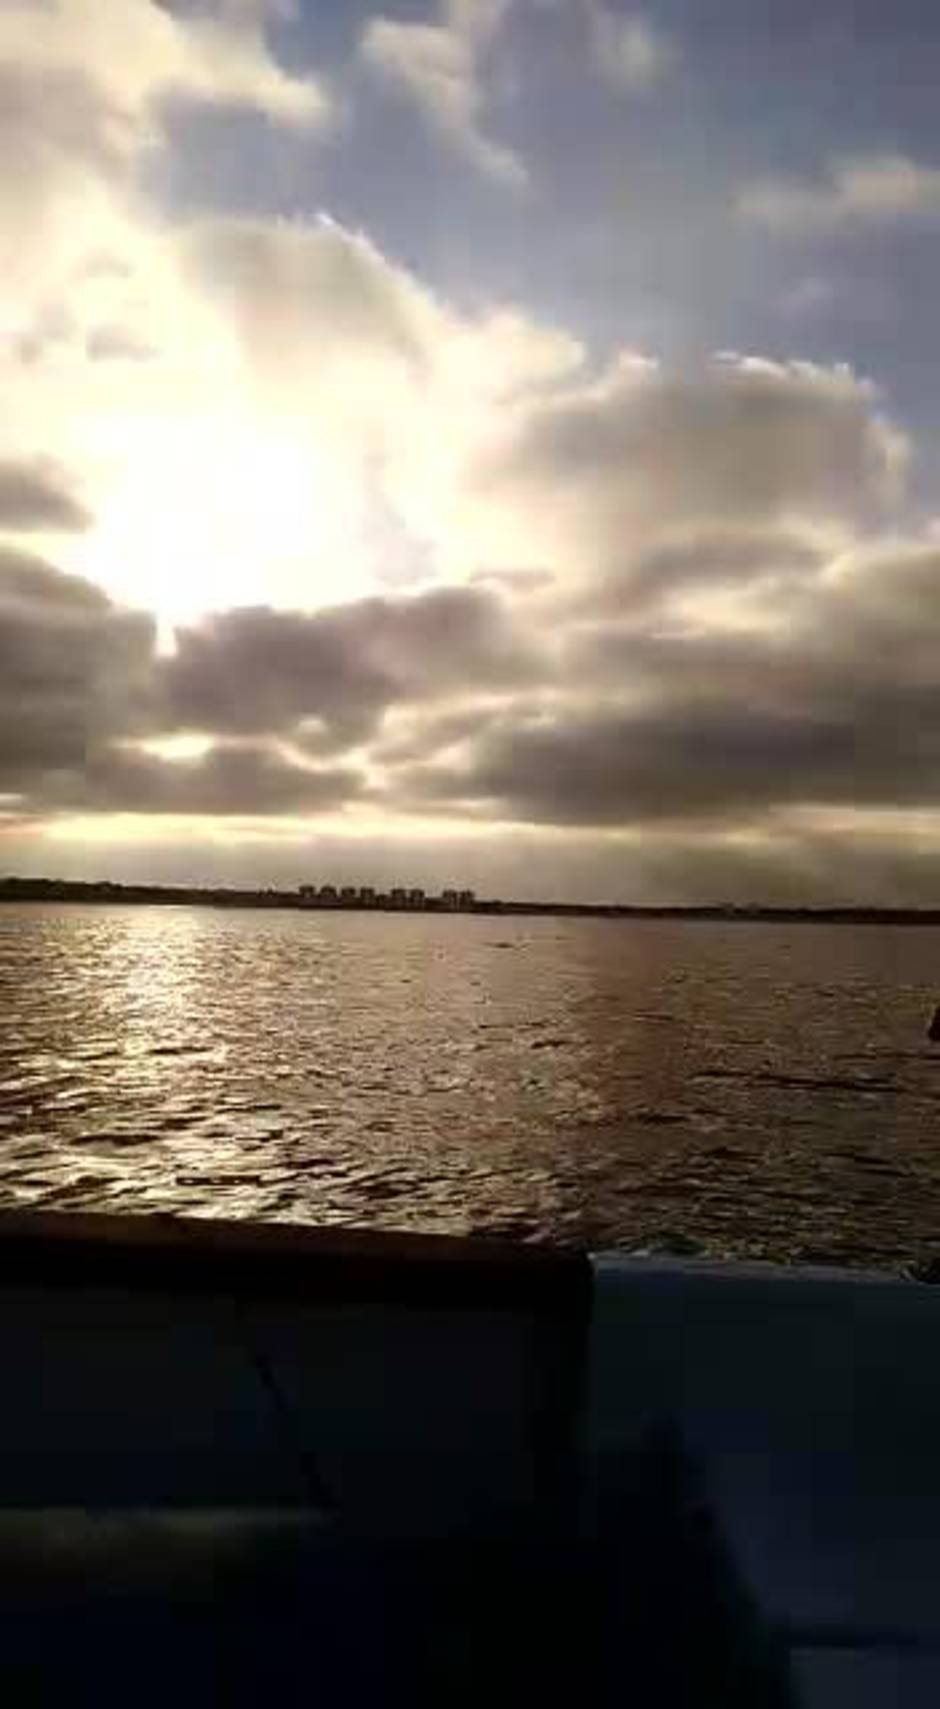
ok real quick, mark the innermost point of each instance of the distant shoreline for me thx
(168, 895)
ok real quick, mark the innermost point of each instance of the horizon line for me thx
(416, 899)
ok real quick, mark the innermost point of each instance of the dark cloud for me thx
(604, 767)
(34, 495)
(714, 746)
(74, 670)
(835, 704)
(865, 629)
(29, 584)
(246, 780)
(712, 763)
(327, 677)
(80, 683)
(262, 671)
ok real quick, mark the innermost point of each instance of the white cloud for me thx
(591, 474)
(859, 190)
(251, 409)
(83, 88)
(136, 53)
(115, 361)
(631, 53)
(441, 67)
(376, 389)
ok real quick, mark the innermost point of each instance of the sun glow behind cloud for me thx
(213, 512)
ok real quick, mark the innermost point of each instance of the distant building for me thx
(365, 896)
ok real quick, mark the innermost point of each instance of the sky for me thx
(478, 442)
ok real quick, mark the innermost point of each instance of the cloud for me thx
(723, 766)
(705, 557)
(247, 780)
(34, 495)
(729, 761)
(440, 67)
(83, 694)
(710, 633)
(854, 192)
(338, 368)
(672, 613)
(631, 53)
(852, 644)
(726, 729)
(326, 678)
(74, 671)
(280, 385)
(131, 55)
(288, 283)
(85, 698)
(631, 768)
(348, 365)
(749, 485)
(85, 86)
(318, 301)
(585, 478)
(80, 690)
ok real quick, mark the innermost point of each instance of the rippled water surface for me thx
(752, 1089)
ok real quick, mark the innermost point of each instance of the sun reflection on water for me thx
(542, 1079)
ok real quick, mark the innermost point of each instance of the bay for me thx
(755, 1090)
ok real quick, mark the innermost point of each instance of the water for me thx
(756, 1089)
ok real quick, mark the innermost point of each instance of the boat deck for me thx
(401, 1468)
(809, 1404)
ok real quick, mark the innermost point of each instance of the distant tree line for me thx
(364, 897)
